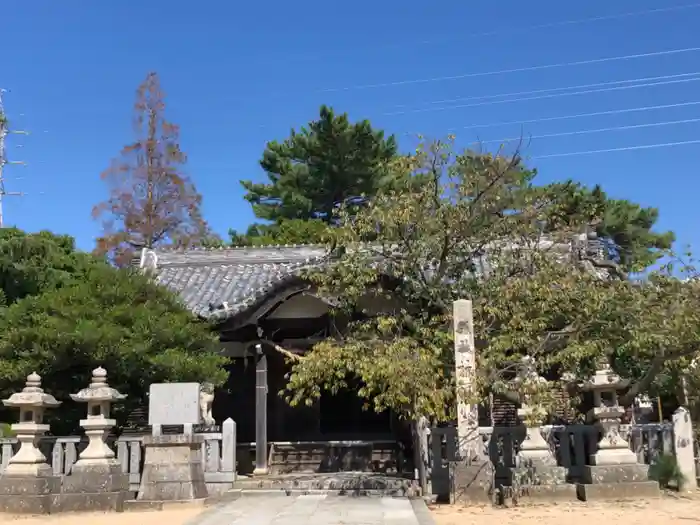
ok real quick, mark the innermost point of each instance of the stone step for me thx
(348, 493)
(340, 483)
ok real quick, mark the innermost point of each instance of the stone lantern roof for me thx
(605, 378)
(98, 390)
(32, 395)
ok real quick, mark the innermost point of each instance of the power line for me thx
(513, 70)
(613, 150)
(597, 130)
(4, 131)
(578, 115)
(563, 23)
(564, 88)
(542, 97)
(511, 31)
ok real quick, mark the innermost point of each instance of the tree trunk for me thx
(420, 451)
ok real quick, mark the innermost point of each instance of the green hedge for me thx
(5, 430)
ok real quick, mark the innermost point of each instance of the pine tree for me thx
(152, 201)
(329, 162)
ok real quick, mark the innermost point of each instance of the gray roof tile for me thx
(220, 283)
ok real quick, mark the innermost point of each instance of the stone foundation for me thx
(541, 483)
(472, 484)
(92, 488)
(172, 469)
(616, 482)
(545, 493)
(617, 491)
(540, 475)
(27, 495)
(597, 474)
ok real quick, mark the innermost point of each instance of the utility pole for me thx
(4, 131)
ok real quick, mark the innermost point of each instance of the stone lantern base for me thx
(542, 482)
(93, 487)
(24, 494)
(630, 481)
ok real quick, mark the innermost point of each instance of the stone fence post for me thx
(684, 449)
(228, 447)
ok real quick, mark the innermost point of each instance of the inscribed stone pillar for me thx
(465, 363)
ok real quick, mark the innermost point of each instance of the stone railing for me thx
(218, 453)
(572, 446)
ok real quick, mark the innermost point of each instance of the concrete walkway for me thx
(317, 510)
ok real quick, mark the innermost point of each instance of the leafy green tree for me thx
(292, 231)
(626, 227)
(480, 228)
(31, 264)
(100, 316)
(329, 162)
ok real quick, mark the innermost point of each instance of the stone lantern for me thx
(536, 467)
(96, 481)
(534, 450)
(32, 401)
(613, 449)
(99, 397)
(613, 471)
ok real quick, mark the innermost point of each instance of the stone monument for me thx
(96, 481)
(613, 471)
(27, 483)
(472, 475)
(172, 469)
(536, 474)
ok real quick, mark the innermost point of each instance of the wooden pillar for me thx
(261, 467)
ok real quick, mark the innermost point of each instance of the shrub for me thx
(666, 471)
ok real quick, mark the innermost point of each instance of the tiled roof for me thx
(219, 283)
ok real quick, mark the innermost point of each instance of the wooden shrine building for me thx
(257, 300)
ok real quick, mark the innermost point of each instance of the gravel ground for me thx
(666, 511)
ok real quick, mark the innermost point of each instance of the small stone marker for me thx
(174, 404)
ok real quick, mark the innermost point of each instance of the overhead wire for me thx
(562, 88)
(542, 97)
(564, 23)
(595, 130)
(578, 115)
(613, 150)
(506, 32)
(512, 70)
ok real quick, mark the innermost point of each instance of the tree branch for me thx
(648, 378)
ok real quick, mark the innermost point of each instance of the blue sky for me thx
(238, 74)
